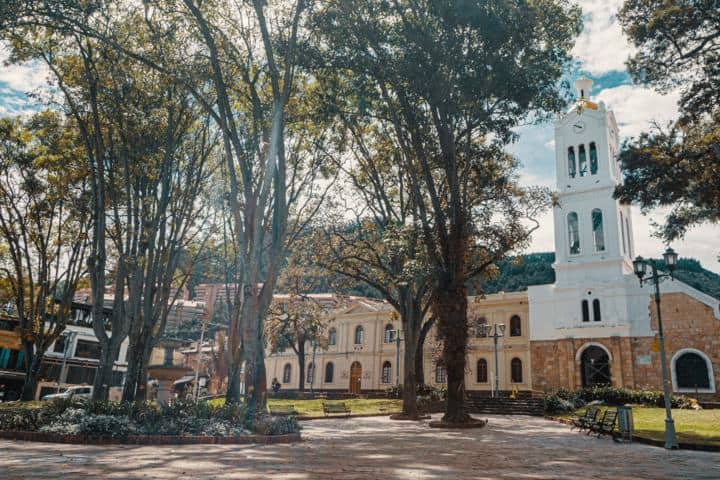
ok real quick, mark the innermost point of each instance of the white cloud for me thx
(601, 46)
(25, 77)
(637, 107)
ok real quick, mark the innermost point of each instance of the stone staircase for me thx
(506, 406)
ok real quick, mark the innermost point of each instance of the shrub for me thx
(620, 396)
(267, 425)
(97, 426)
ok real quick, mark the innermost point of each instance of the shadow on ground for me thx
(510, 447)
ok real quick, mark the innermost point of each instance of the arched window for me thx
(516, 370)
(572, 171)
(386, 372)
(596, 310)
(598, 230)
(439, 373)
(329, 367)
(585, 311)
(286, 373)
(515, 326)
(482, 373)
(359, 335)
(388, 338)
(629, 236)
(691, 371)
(310, 373)
(582, 161)
(593, 159)
(332, 336)
(573, 233)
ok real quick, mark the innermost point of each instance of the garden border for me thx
(149, 439)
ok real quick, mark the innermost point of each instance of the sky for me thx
(600, 53)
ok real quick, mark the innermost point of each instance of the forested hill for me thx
(517, 273)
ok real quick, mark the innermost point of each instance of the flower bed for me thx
(112, 422)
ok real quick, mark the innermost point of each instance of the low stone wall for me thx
(149, 439)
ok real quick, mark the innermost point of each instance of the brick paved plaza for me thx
(374, 448)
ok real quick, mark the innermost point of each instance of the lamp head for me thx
(501, 326)
(640, 267)
(671, 259)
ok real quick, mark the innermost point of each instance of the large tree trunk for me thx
(450, 307)
(133, 371)
(32, 368)
(420, 352)
(255, 381)
(412, 321)
(103, 376)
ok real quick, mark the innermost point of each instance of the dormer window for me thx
(582, 161)
(593, 159)
(572, 171)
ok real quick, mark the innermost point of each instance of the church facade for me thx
(596, 325)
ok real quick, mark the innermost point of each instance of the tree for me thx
(44, 221)
(372, 236)
(678, 45)
(452, 80)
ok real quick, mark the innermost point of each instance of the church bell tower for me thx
(593, 231)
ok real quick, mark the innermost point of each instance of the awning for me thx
(185, 379)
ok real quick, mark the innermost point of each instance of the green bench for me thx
(282, 410)
(335, 408)
(590, 417)
(606, 424)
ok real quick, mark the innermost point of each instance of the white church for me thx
(594, 325)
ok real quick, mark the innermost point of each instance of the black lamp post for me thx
(640, 267)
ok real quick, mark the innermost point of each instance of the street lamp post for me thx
(398, 339)
(314, 367)
(640, 267)
(498, 331)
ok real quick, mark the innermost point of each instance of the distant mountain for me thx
(517, 273)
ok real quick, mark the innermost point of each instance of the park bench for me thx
(606, 425)
(590, 416)
(332, 408)
(282, 410)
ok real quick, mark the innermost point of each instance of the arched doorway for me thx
(595, 367)
(355, 377)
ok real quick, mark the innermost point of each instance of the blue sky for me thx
(600, 53)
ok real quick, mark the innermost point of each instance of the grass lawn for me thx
(692, 426)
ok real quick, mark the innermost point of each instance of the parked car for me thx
(83, 392)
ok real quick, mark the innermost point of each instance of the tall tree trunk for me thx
(412, 320)
(420, 352)
(255, 381)
(450, 308)
(32, 369)
(142, 377)
(104, 373)
(301, 363)
(133, 367)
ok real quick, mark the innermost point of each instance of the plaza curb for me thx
(655, 443)
(149, 439)
(301, 418)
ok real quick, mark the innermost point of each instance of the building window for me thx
(573, 233)
(359, 335)
(388, 338)
(311, 373)
(286, 373)
(593, 159)
(332, 336)
(482, 372)
(515, 326)
(480, 327)
(596, 310)
(582, 161)
(516, 370)
(86, 349)
(585, 311)
(439, 373)
(571, 162)
(329, 368)
(386, 372)
(629, 236)
(597, 230)
(59, 346)
(691, 372)
(622, 232)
